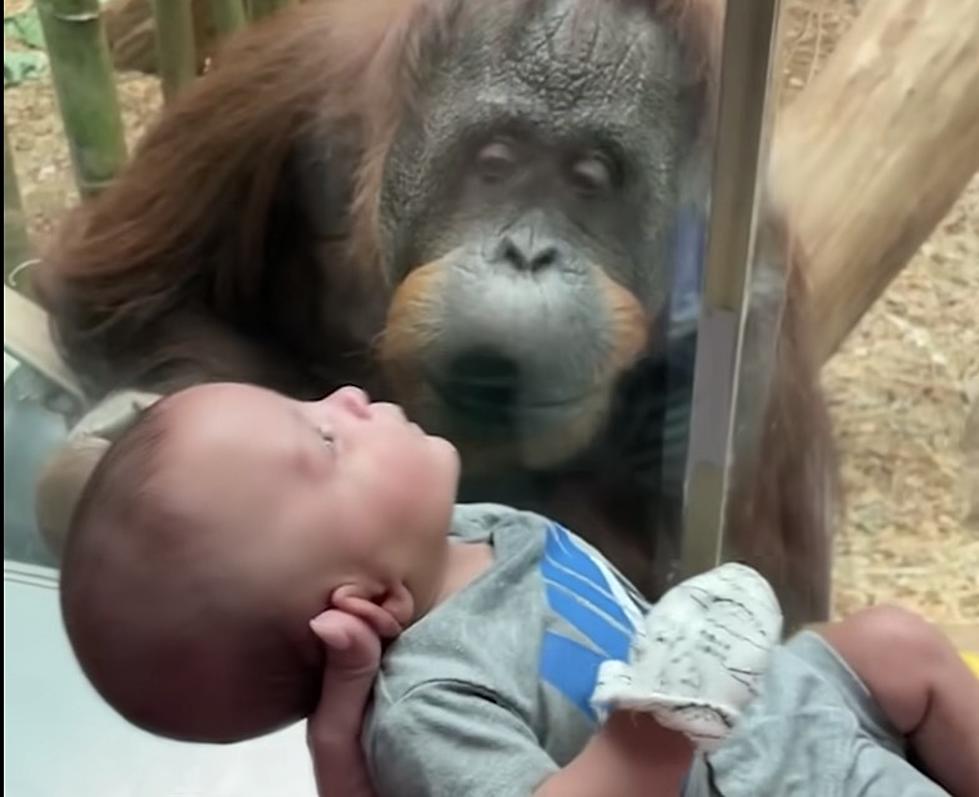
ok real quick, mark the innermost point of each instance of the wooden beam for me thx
(877, 148)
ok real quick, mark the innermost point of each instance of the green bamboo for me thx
(16, 242)
(175, 51)
(228, 16)
(262, 8)
(81, 70)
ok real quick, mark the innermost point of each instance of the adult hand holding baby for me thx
(352, 630)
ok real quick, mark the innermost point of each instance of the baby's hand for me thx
(353, 656)
(701, 655)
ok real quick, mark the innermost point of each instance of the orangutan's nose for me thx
(523, 250)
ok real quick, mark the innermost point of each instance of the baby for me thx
(228, 517)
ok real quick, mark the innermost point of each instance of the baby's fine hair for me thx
(158, 622)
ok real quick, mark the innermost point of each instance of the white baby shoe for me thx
(705, 647)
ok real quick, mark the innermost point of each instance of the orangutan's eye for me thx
(496, 161)
(593, 174)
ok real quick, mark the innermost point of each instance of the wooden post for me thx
(877, 148)
(16, 241)
(85, 87)
(176, 56)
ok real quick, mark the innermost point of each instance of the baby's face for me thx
(315, 492)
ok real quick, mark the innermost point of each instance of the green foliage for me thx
(28, 62)
(20, 66)
(23, 64)
(25, 28)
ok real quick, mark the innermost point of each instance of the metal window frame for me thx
(741, 152)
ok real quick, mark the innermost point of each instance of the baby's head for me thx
(220, 524)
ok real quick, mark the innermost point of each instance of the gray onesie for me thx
(489, 693)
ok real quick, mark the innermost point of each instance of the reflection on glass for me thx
(574, 399)
(571, 181)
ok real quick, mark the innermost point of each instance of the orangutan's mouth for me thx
(489, 391)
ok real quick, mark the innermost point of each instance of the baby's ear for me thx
(399, 603)
(389, 608)
(363, 589)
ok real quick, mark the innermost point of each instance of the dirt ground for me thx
(900, 387)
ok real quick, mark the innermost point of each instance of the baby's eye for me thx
(327, 436)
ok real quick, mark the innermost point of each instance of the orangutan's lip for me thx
(507, 409)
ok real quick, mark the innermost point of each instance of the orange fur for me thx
(630, 324)
(414, 313)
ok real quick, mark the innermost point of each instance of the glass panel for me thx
(60, 737)
(36, 414)
(633, 412)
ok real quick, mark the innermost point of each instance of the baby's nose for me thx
(391, 411)
(352, 399)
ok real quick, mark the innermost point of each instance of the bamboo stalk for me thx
(176, 56)
(228, 16)
(16, 241)
(81, 71)
(263, 8)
